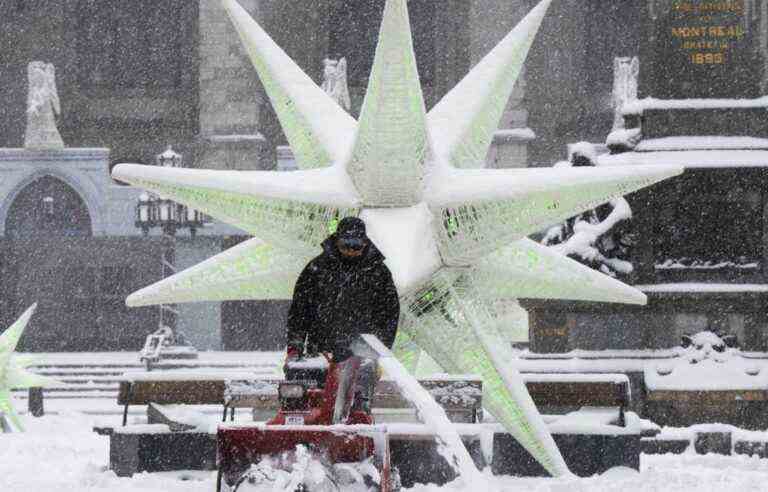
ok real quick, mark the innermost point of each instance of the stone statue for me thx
(42, 103)
(625, 73)
(335, 81)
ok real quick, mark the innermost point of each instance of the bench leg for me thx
(35, 402)
(622, 419)
(128, 398)
(232, 414)
(224, 416)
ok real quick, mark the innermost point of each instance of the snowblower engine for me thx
(318, 441)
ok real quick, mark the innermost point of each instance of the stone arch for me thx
(27, 214)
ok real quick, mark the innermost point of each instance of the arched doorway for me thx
(49, 255)
(47, 207)
(45, 259)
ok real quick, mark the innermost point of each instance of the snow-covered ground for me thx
(60, 453)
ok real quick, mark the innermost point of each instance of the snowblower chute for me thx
(318, 441)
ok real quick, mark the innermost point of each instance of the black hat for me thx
(351, 227)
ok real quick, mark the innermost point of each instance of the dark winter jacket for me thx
(336, 299)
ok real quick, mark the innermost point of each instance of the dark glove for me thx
(342, 349)
(294, 351)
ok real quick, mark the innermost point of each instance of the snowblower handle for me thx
(370, 347)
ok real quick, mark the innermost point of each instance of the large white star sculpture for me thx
(454, 234)
(13, 374)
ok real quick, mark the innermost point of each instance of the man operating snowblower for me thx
(344, 292)
(321, 437)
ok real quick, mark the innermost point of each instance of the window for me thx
(135, 44)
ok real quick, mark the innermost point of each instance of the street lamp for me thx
(48, 205)
(153, 211)
(170, 217)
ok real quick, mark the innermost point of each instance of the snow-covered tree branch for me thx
(598, 238)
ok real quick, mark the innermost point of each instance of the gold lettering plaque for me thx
(707, 32)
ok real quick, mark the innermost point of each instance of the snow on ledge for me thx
(602, 354)
(594, 421)
(627, 137)
(702, 287)
(234, 138)
(532, 377)
(143, 429)
(514, 135)
(689, 158)
(708, 375)
(650, 103)
(711, 142)
(203, 374)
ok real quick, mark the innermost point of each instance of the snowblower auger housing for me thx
(315, 424)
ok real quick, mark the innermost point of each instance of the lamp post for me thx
(170, 217)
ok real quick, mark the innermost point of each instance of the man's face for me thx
(351, 247)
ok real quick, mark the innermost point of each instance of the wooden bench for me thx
(460, 396)
(162, 389)
(579, 390)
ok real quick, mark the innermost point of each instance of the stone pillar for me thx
(763, 41)
(199, 322)
(489, 21)
(231, 96)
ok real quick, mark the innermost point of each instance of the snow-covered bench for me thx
(586, 414)
(460, 396)
(568, 391)
(175, 388)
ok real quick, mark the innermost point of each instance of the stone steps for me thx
(99, 376)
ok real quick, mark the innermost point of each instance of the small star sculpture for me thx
(13, 373)
(454, 233)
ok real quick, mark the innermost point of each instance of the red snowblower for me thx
(320, 439)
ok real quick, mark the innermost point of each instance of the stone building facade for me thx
(135, 76)
(700, 248)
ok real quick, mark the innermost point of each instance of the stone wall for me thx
(199, 321)
(489, 21)
(570, 73)
(231, 97)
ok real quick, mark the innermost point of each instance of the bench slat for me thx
(171, 392)
(592, 394)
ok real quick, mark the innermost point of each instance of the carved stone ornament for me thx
(42, 106)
